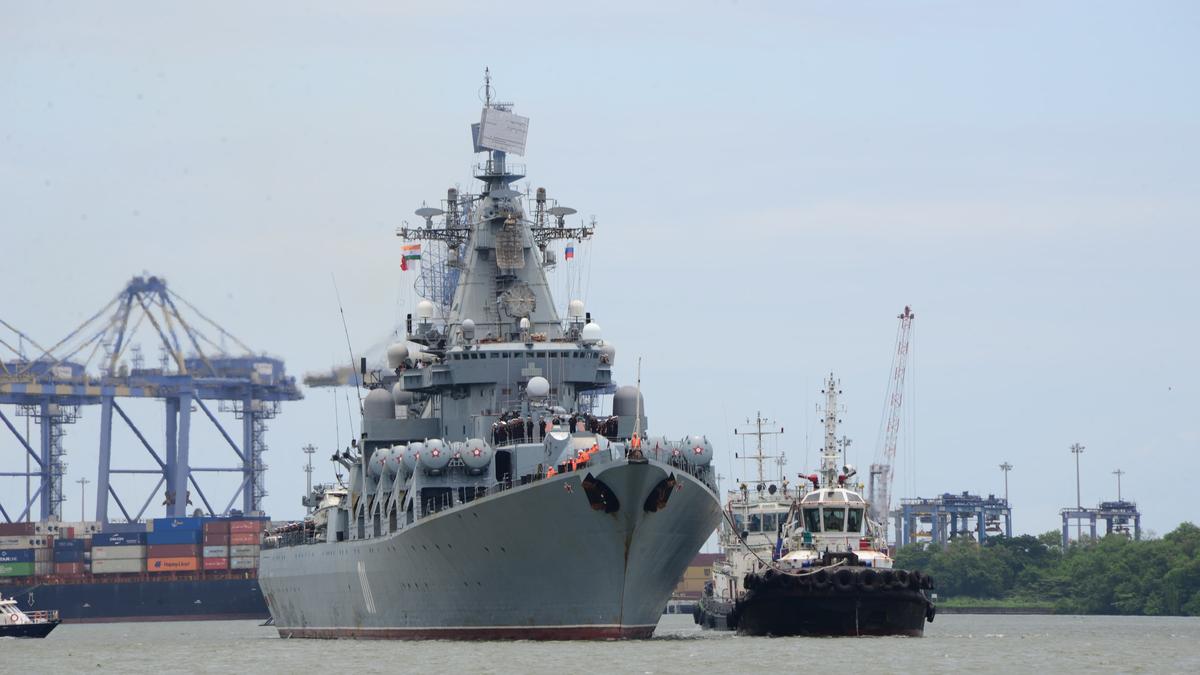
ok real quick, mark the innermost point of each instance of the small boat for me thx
(831, 574)
(15, 623)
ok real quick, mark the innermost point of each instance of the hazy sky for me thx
(773, 182)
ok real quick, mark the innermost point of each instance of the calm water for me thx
(953, 643)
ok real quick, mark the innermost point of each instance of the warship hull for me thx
(538, 561)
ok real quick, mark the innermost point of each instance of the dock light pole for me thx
(1077, 450)
(82, 497)
(1118, 473)
(1006, 467)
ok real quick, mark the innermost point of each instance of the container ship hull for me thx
(535, 562)
(145, 600)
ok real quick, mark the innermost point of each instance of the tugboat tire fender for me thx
(868, 580)
(820, 579)
(903, 578)
(886, 578)
(843, 580)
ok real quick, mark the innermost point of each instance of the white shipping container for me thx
(216, 551)
(23, 541)
(43, 568)
(118, 553)
(83, 529)
(118, 566)
(244, 551)
(243, 563)
(43, 555)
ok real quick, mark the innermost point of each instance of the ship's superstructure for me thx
(486, 498)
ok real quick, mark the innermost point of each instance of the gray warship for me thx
(488, 496)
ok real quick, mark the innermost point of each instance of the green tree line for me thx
(1112, 575)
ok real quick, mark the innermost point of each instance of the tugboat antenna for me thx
(758, 433)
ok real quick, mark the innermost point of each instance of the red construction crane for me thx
(880, 489)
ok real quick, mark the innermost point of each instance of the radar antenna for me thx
(758, 434)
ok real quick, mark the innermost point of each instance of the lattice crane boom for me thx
(883, 470)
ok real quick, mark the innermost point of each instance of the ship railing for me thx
(42, 615)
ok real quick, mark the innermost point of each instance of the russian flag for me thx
(570, 253)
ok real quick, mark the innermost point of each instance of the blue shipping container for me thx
(17, 555)
(174, 537)
(125, 527)
(65, 556)
(68, 544)
(119, 539)
(161, 524)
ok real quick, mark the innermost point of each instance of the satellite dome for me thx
(379, 405)
(590, 333)
(524, 323)
(537, 387)
(468, 329)
(412, 455)
(397, 354)
(436, 455)
(697, 449)
(476, 454)
(575, 309)
(395, 460)
(626, 402)
(609, 352)
(401, 396)
(425, 309)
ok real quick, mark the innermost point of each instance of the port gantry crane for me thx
(194, 368)
(880, 488)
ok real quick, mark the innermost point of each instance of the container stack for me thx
(119, 553)
(216, 545)
(173, 545)
(245, 537)
(69, 556)
(25, 551)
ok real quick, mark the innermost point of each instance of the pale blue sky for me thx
(773, 182)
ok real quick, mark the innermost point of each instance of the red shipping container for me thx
(216, 527)
(172, 564)
(254, 526)
(68, 568)
(242, 538)
(66, 532)
(216, 539)
(216, 563)
(172, 551)
(16, 529)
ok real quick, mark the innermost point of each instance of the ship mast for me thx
(758, 433)
(830, 451)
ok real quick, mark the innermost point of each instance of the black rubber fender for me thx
(820, 579)
(868, 580)
(902, 578)
(843, 580)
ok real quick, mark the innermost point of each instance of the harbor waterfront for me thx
(951, 644)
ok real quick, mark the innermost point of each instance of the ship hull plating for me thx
(165, 600)
(534, 562)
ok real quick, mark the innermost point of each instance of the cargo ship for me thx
(181, 569)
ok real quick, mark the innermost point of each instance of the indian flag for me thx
(409, 252)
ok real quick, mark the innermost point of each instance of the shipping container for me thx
(16, 569)
(242, 538)
(83, 528)
(244, 551)
(17, 529)
(173, 551)
(67, 556)
(68, 544)
(119, 566)
(254, 526)
(126, 528)
(243, 563)
(216, 527)
(119, 539)
(216, 538)
(215, 552)
(172, 564)
(212, 564)
(17, 555)
(118, 553)
(166, 524)
(43, 568)
(43, 555)
(68, 568)
(174, 537)
(23, 541)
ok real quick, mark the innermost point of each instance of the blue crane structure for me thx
(52, 384)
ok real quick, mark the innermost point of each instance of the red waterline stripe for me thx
(171, 617)
(489, 633)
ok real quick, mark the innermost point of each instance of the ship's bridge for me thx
(834, 511)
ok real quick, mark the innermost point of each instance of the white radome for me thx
(425, 309)
(397, 354)
(590, 333)
(538, 387)
(575, 309)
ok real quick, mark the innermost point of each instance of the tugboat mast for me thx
(830, 451)
(758, 433)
